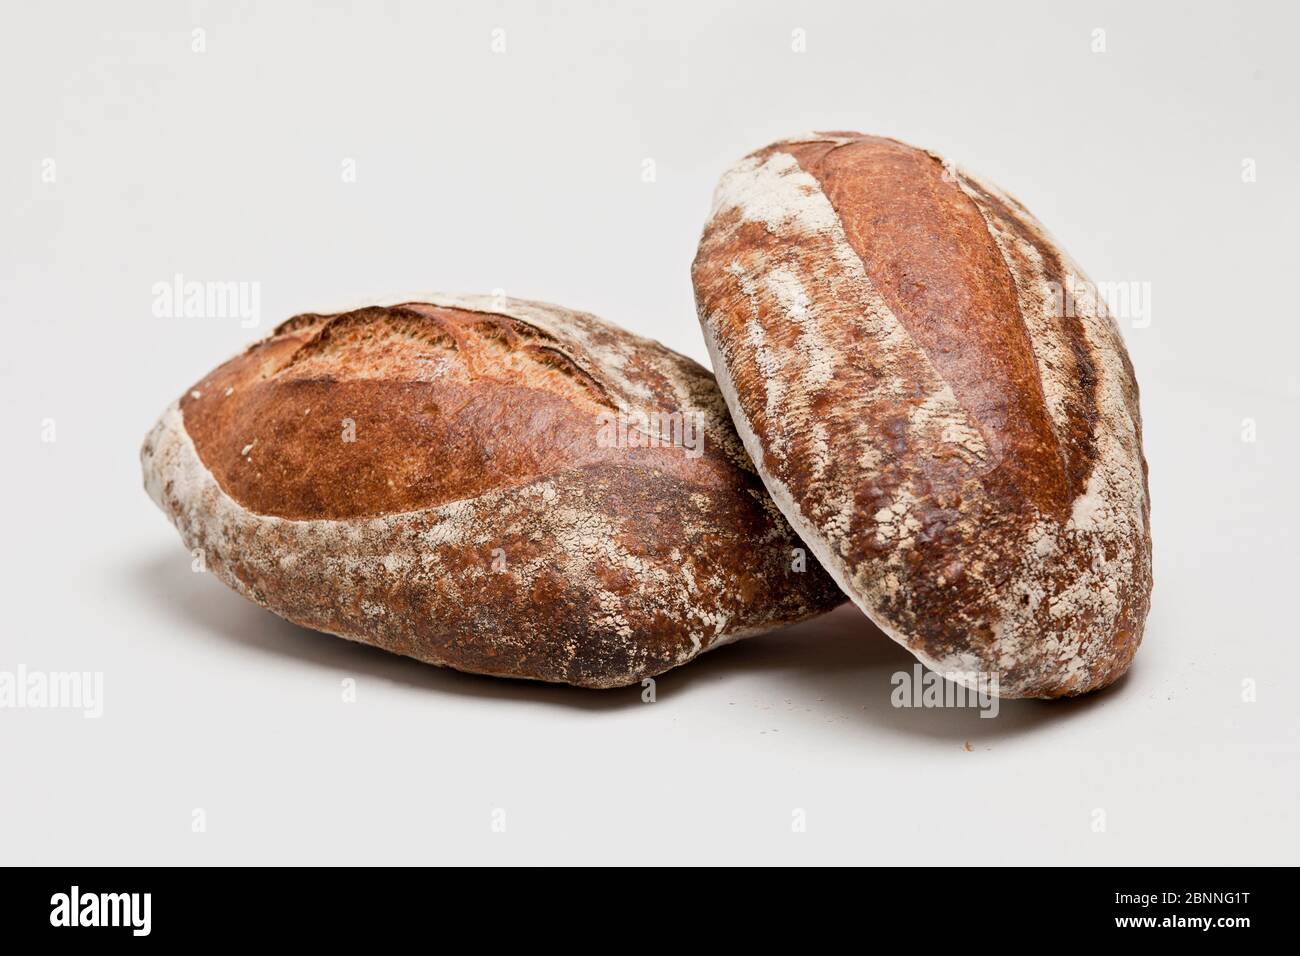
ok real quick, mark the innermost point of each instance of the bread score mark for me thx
(393, 408)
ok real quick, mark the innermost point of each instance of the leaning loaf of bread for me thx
(939, 403)
(498, 486)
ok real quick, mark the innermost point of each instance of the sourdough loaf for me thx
(493, 485)
(938, 403)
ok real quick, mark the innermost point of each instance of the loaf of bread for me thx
(937, 402)
(498, 486)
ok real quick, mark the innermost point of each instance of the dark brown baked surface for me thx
(430, 477)
(953, 431)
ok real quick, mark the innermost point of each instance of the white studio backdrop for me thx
(567, 152)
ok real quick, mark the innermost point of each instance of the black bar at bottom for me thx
(363, 905)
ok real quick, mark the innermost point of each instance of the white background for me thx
(523, 171)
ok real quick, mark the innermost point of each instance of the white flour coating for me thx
(362, 558)
(814, 137)
(789, 202)
(935, 416)
(1088, 513)
(819, 365)
(775, 192)
(566, 531)
(768, 365)
(817, 540)
(1110, 512)
(1068, 571)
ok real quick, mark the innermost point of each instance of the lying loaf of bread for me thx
(939, 404)
(498, 486)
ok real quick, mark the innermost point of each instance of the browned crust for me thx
(967, 464)
(928, 252)
(476, 521)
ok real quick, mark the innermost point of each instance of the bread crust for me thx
(962, 453)
(475, 519)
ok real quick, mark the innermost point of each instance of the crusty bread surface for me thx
(937, 404)
(436, 477)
